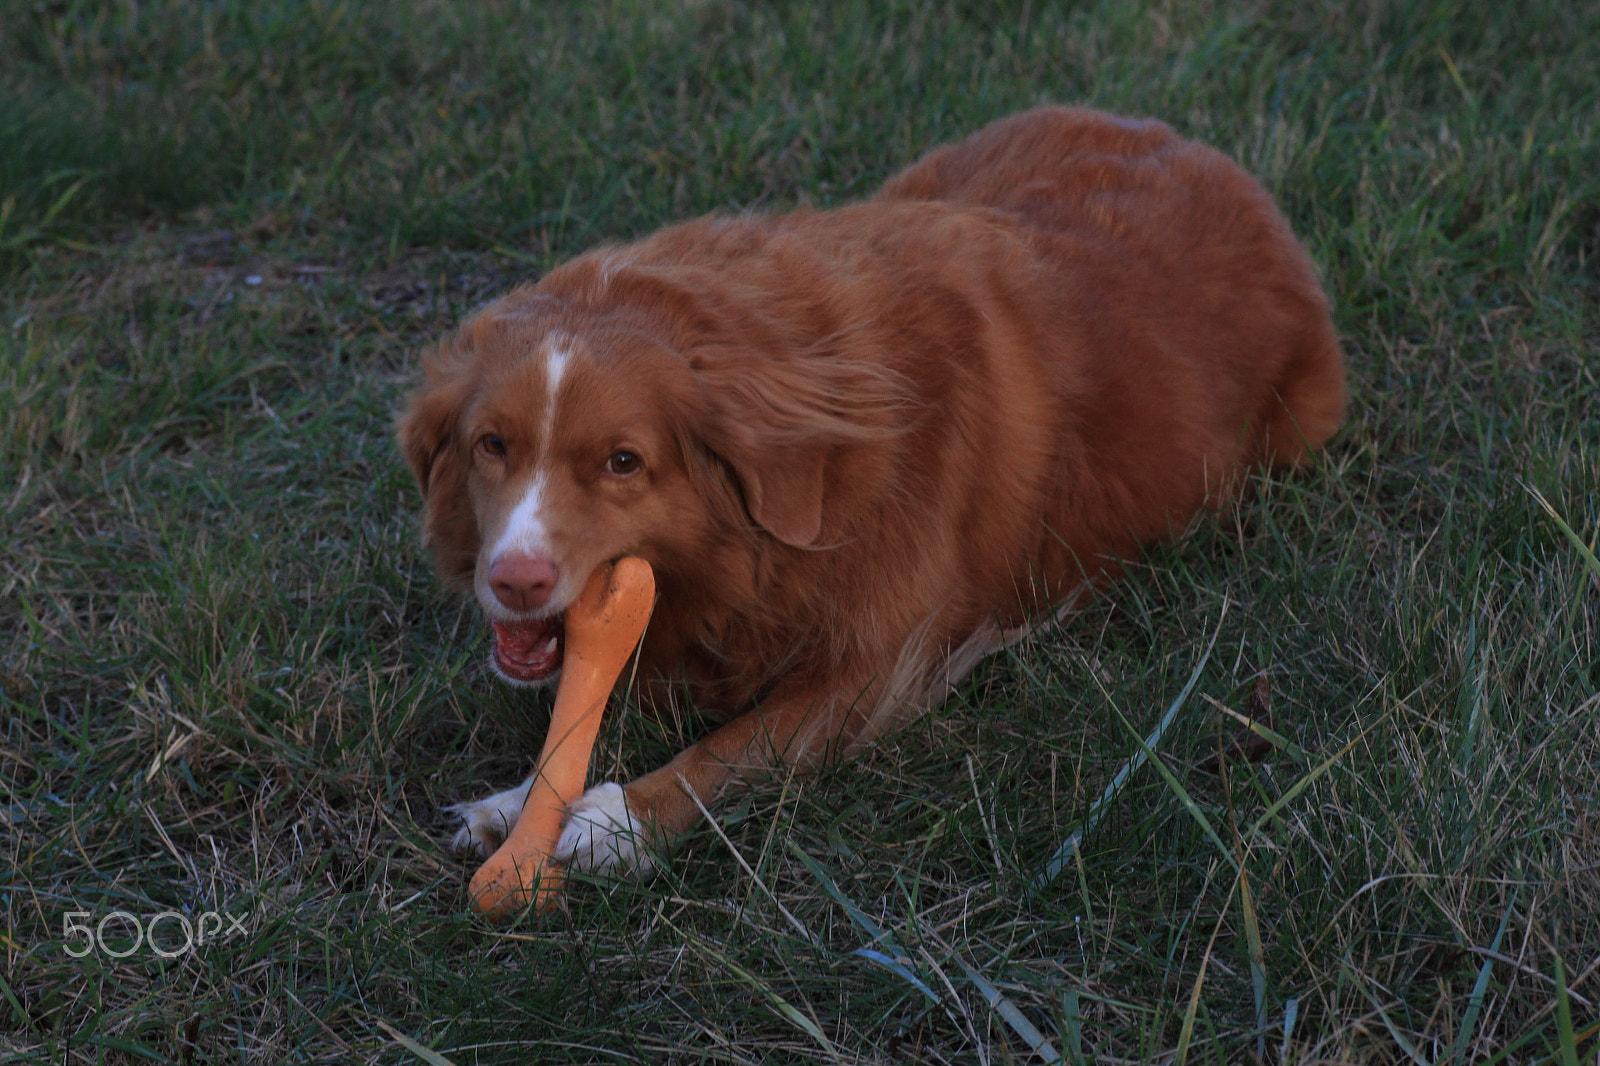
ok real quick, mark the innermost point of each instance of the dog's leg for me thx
(799, 727)
(607, 828)
(488, 820)
(601, 834)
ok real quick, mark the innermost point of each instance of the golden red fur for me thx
(862, 447)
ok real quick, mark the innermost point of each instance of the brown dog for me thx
(864, 447)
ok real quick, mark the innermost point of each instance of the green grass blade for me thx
(1179, 791)
(1585, 552)
(1564, 1030)
(900, 968)
(783, 1007)
(426, 1054)
(1013, 1017)
(129, 1046)
(1469, 1017)
(1404, 1042)
(1072, 1023)
(1257, 957)
(899, 962)
(1192, 1011)
(1069, 847)
(829, 885)
(1267, 733)
(1305, 782)
(60, 202)
(23, 1022)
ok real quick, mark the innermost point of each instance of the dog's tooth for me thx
(550, 648)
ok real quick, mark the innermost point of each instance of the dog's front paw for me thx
(488, 821)
(602, 834)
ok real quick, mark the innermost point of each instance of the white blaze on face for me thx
(527, 527)
(555, 365)
(525, 531)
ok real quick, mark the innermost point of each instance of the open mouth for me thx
(528, 651)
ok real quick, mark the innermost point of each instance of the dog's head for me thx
(570, 424)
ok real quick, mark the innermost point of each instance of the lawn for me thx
(233, 698)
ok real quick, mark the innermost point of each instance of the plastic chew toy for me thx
(602, 629)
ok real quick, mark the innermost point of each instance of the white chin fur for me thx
(601, 835)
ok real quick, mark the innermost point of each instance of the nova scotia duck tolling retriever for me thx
(863, 447)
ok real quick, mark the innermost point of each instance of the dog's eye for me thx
(624, 463)
(492, 446)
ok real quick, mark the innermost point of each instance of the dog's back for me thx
(1167, 253)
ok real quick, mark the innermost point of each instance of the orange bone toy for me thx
(602, 629)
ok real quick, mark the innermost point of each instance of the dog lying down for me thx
(864, 447)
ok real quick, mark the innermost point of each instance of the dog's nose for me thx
(523, 582)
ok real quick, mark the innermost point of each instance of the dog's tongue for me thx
(528, 651)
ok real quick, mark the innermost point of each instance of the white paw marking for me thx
(602, 835)
(488, 820)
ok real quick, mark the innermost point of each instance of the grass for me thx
(230, 683)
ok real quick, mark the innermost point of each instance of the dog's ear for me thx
(783, 484)
(426, 431)
(780, 423)
(779, 399)
(427, 435)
